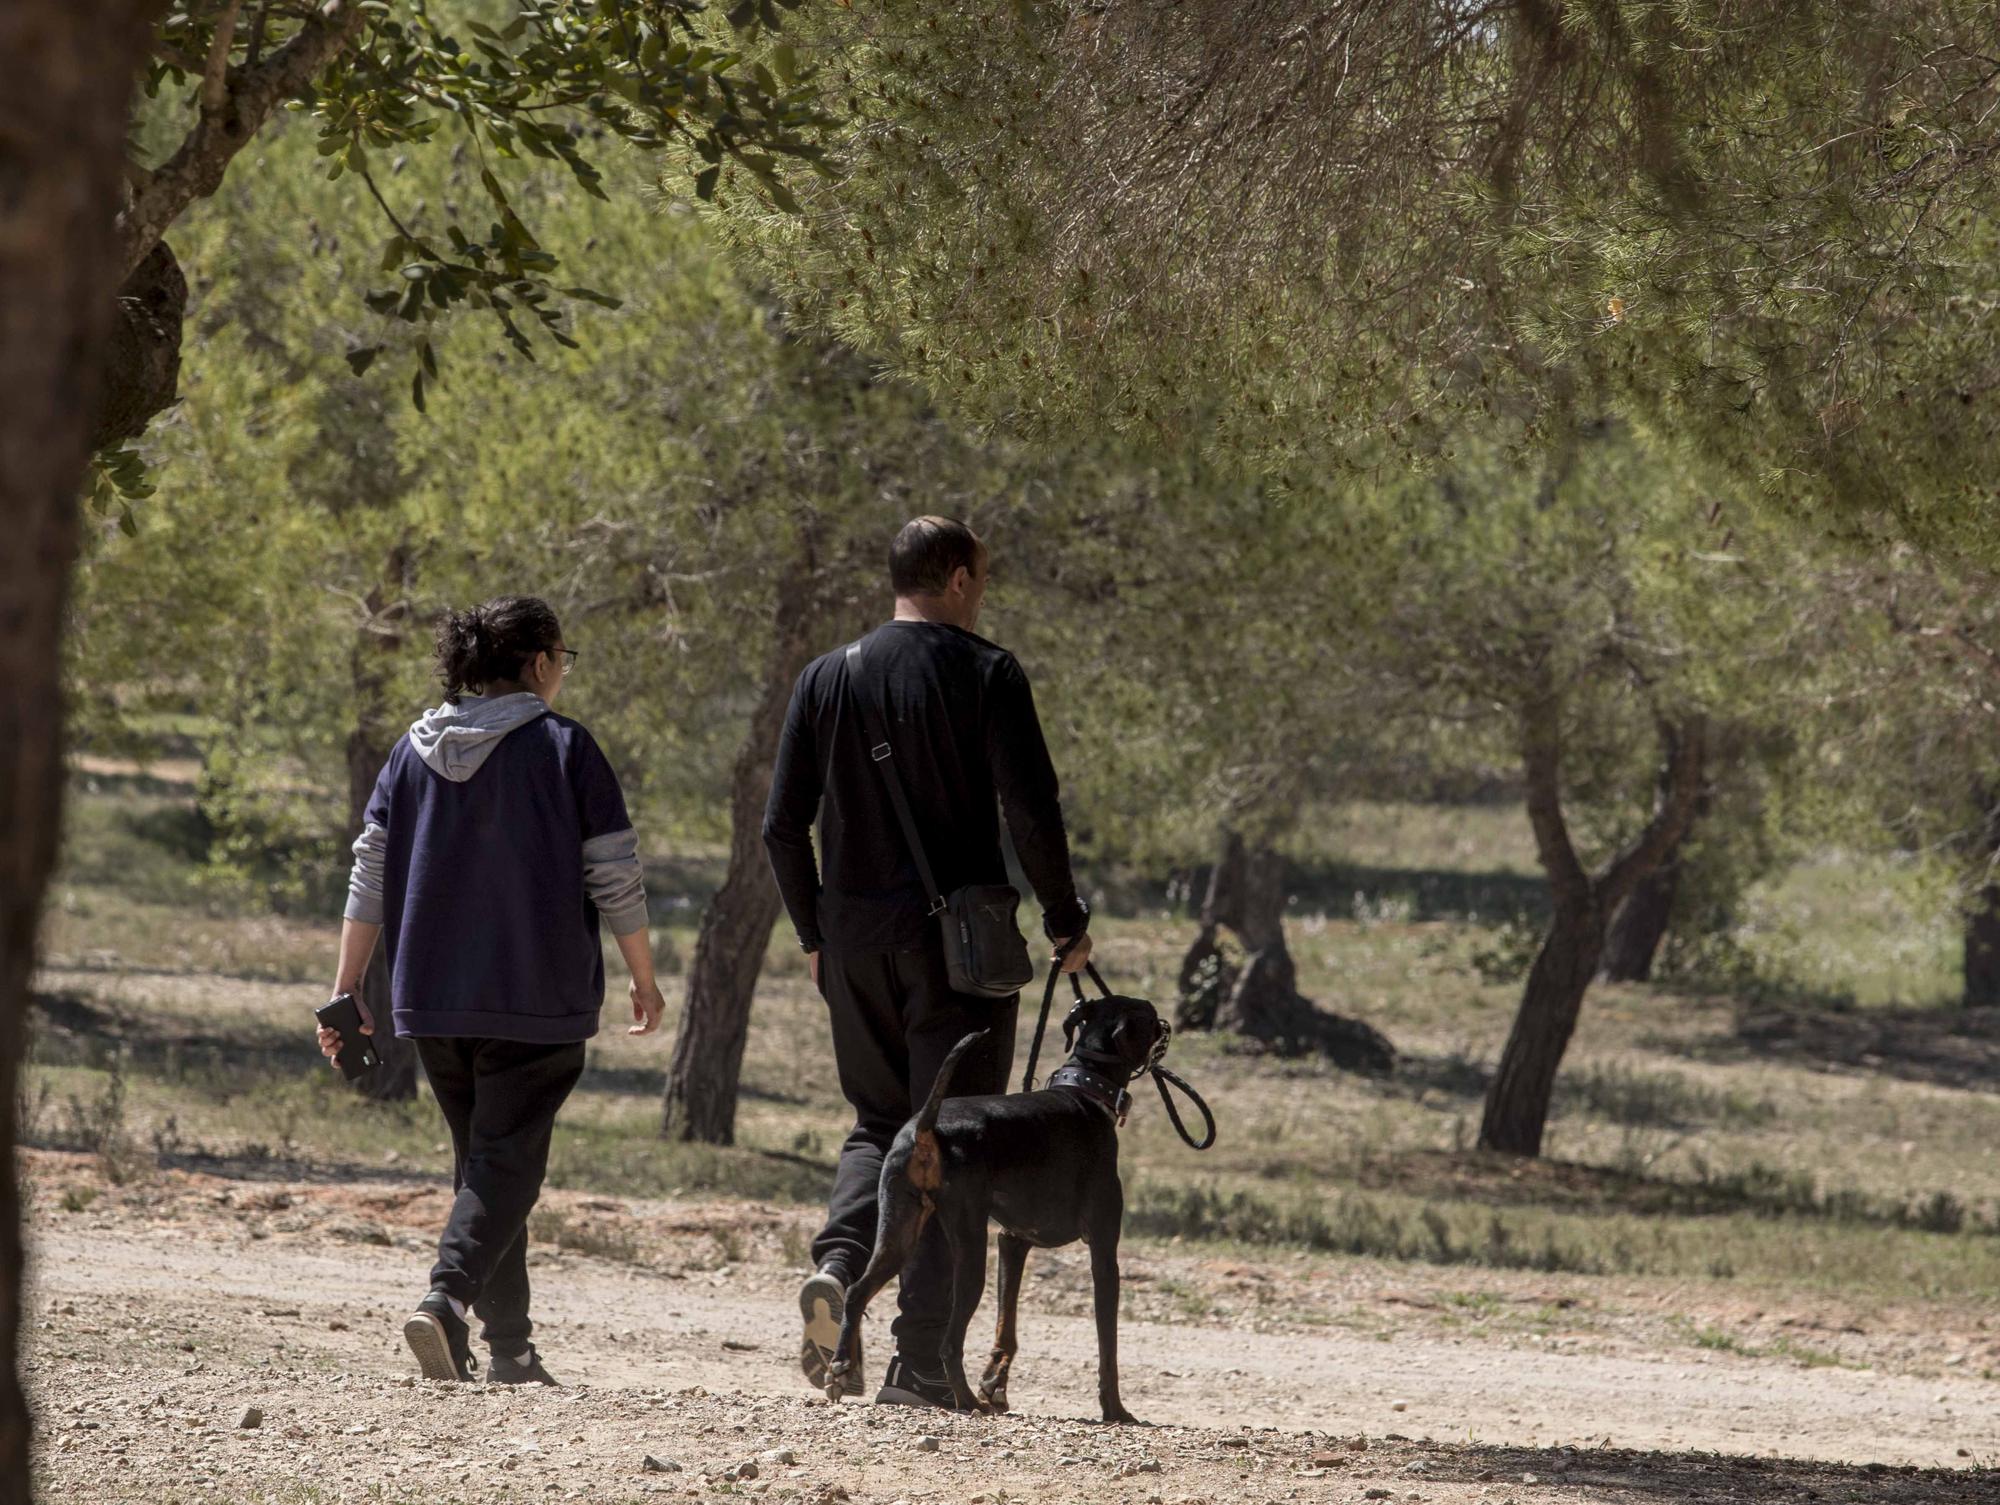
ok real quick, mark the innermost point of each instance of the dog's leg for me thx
(901, 1218)
(1106, 1222)
(965, 1233)
(1013, 1259)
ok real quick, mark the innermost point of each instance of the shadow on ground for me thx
(70, 1030)
(1618, 1475)
(1566, 1186)
(1346, 888)
(1944, 1047)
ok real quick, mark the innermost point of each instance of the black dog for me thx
(1044, 1165)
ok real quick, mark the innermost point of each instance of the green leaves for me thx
(116, 478)
(562, 81)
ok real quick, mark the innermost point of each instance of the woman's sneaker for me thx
(440, 1339)
(823, 1305)
(906, 1385)
(518, 1369)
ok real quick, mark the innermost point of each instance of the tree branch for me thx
(1541, 767)
(1685, 743)
(215, 76)
(195, 169)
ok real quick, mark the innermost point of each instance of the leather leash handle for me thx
(1162, 1076)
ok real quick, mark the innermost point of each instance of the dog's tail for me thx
(927, 1115)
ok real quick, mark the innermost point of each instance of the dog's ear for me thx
(1070, 1022)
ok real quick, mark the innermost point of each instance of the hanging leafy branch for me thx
(557, 80)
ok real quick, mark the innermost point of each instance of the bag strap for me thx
(885, 759)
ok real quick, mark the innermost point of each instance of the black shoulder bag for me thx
(984, 953)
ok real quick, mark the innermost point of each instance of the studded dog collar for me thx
(1107, 1092)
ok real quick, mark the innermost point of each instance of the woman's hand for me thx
(329, 1039)
(647, 1007)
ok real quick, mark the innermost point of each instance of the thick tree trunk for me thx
(371, 664)
(1642, 924)
(1982, 949)
(1517, 1102)
(1263, 1002)
(67, 73)
(1206, 976)
(143, 367)
(1260, 1000)
(1222, 903)
(1517, 1105)
(1982, 918)
(707, 1063)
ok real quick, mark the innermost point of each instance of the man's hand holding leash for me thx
(1072, 954)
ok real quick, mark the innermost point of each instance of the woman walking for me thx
(495, 841)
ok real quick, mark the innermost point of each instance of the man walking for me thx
(961, 718)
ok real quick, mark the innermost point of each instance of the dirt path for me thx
(608, 1325)
(153, 1329)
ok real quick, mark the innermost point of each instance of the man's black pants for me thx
(500, 1098)
(895, 1017)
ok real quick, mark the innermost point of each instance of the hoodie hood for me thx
(456, 740)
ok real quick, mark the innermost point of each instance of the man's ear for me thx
(961, 582)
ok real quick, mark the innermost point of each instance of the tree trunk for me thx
(1260, 1000)
(371, 666)
(1263, 1001)
(1222, 903)
(1206, 976)
(1517, 1102)
(1642, 924)
(707, 1062)
(67, 75)
(142, 369)
(1982, 949)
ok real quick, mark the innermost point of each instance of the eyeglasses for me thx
(568, 660)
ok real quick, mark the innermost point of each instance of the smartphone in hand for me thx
(357, 1054)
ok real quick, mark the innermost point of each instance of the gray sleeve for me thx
(364, 884)
(613, 880)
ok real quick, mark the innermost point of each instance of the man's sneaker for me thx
(823, 1304)
(440, 1339)
(518, 1369)
(905, 1385)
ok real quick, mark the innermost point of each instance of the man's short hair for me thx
(926, 553)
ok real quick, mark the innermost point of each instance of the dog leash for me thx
(1159, 1072)
(1162, 1076)
(1048, 997)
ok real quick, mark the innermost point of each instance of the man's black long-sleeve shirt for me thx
(962, 721)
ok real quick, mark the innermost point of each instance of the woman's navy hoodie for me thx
(495, 838)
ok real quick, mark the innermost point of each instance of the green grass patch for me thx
(1766, 1250)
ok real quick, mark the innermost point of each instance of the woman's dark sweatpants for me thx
(500, 1098)
(895, 1017)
